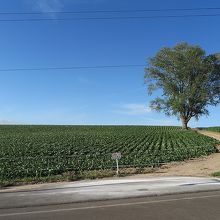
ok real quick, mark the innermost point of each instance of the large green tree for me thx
(188, 79)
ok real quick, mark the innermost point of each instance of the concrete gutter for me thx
(97, 190)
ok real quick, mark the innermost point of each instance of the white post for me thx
(117, 167)
(116, 157)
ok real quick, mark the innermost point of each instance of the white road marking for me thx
(106, 206)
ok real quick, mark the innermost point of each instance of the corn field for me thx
(30, 151)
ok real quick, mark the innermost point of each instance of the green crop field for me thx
(216, 129)
(33, 151)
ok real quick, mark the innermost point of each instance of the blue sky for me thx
(92, 96)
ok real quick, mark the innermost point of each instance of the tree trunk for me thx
(184, 123)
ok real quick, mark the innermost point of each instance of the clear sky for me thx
(92, 96)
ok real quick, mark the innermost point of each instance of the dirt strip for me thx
(212, 134)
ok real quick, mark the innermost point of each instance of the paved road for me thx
(194, 206)
(83, 191)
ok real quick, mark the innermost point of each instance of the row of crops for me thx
(215, 129)
(32, 151)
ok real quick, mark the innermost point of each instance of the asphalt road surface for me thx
(193, 206)
(101, 190)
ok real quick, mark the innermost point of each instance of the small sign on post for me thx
(116, 157)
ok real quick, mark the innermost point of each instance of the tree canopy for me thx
(188, 79)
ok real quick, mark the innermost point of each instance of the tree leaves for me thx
(189, 80)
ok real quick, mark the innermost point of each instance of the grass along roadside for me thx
(216, 174)
(74, 176)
